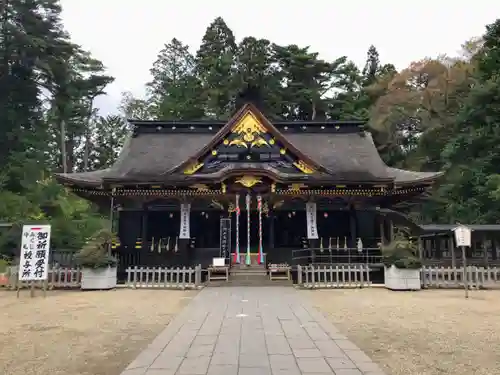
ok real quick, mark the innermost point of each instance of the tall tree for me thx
(175, 90)
(306, 79)
(372, 66)
(256, 67)
(215, 61)
(134, 108)
(108, 135)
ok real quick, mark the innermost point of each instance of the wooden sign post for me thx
(34, 259)
(463, 240)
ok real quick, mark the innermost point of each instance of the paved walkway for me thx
(251, 331)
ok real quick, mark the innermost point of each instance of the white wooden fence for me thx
(58, 278)
(453, 277)
(164, 277)
(353, 276)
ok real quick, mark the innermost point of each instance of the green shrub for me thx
(401, 253)
(96, 252)
(4, 264)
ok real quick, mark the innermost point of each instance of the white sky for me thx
(126, 35)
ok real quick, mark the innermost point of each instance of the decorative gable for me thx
(249, 138)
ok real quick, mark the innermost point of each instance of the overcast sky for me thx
(126, 35)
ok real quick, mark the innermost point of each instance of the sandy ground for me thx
(432, 332)
(81, 333)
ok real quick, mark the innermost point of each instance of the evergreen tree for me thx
(215, 62)
(174, 92)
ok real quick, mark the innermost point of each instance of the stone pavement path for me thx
(251, 331)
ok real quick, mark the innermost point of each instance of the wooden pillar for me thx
(451, 245)
(271, 230)
(352, 227)
(439, 250)
(494, 248)
(391, 231)
(144, 228)
(485, 249)
(381, 225)
(420, 245)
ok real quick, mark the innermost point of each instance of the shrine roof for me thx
(337, 151)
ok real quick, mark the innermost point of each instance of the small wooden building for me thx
(183, 192)
(437, 243)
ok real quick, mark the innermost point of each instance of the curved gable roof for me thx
(247, 110)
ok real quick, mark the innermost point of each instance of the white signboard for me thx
(312, 229)
(35, 249)
(463, 235)
(218, 262)
(184, 228)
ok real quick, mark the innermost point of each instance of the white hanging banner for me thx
(185, 211)
(312, 229)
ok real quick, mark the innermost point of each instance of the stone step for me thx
(248, 276)
(234, 283)
(248, 273)
(249, 267)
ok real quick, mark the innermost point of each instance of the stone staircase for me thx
(252, 275)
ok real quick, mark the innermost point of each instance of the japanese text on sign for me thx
(225, 237)
(35, 248)
(463, 235)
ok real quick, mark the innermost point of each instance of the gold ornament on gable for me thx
(303, 167)
(200, 187)
(193, 168)
(249, 181)
(249, 132)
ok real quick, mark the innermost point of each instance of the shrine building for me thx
(252, 191)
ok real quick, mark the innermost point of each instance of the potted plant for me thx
(402, 265)
(98, 266)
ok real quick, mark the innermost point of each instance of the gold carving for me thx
(238, 143)
(278, 204)
(283, 151)
(249, 131)
(193, 168)
(265, 209)
(303, 167)
(259, 142)
(297, 186)
(214, 152)
(217, 204)
(273, 188)
(231, 208)
(249, 181)
(223, 188)
(200, 187)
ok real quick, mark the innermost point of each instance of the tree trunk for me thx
(64, 154)
(86, 150)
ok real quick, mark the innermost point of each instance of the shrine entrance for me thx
(246, 234)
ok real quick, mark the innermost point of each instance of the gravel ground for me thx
(81, 333)
(431, 332)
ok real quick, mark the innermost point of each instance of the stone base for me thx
(98, 279)
(402, 279)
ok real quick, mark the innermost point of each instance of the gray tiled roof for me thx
(345, 157)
